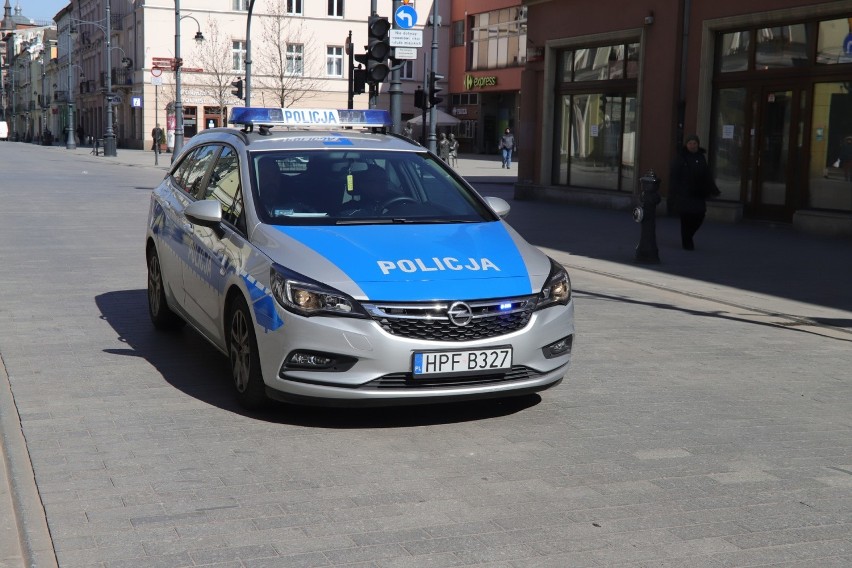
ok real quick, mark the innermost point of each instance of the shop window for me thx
(781, 46)
(834, 42)
(728, 138)
(831, 148)
(596, 141)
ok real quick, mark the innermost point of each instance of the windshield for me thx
(320, 187)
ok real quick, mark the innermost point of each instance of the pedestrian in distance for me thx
(507, 146)
(81, 135)
(454, 150)
(407, 131)
(691, 185)
(444, 148)
(157, 135)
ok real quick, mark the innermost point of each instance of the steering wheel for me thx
(396, 201)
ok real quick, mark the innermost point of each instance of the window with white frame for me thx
(294, 7)
(240, 5)
(238, 54)
(295, 59)
(334, 61)
(407, 71)
(335, 8)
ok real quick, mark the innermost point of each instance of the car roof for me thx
(288, 138)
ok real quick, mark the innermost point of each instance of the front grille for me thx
(431, 321)
(408, 381)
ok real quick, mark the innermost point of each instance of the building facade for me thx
(298, 56)
(488, 52)
(26, 54)
(611, 90)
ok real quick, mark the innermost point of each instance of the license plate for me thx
(454, 362)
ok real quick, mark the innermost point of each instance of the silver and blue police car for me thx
(335, 263)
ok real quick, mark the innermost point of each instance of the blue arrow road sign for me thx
(405, 17)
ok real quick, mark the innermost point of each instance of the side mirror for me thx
(500, 206)
(207, 213)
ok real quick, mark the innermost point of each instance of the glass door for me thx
(774, 153)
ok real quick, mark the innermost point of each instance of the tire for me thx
(162, 316)
(244, 357)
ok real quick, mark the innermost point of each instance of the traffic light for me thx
(434, 99)
(237, 91)
(378, 48)
(359, 81)
(420, 99)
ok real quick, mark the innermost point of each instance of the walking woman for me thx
(692, 184)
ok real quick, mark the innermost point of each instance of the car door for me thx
(170, 225)
(217, 252)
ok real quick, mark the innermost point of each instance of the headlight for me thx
(307, 297)
(557, 289)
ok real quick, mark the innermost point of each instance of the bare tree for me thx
(214, 56)
(283, 58)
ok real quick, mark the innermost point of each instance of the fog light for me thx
(309, 360)
(557, 348)
(316, 361)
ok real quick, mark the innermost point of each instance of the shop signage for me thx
(471, 82)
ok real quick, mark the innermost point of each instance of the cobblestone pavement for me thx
(706, 420)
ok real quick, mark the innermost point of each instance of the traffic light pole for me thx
(395, 90)
(248, 54)
(433, 138)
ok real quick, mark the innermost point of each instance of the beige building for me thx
(298, 58)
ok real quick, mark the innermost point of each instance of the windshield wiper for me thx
(372, 221)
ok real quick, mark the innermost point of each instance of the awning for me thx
(441, 119)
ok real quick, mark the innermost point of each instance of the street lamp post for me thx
(70, 141)
(199, 37)
(109, 134)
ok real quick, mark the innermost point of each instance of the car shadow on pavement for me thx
(193, 366)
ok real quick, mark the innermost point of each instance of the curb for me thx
(36, 545)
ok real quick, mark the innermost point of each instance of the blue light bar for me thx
(310, 117)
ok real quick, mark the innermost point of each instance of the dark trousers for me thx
(689, 225)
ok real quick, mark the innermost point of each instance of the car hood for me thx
(411, 262)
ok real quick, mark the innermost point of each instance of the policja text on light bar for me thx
(308, 117)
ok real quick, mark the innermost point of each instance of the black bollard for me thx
(646, 214)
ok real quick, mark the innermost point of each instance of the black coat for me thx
(691, 181)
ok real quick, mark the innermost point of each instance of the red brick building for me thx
(610, 90)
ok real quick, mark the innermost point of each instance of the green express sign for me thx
(471, 82)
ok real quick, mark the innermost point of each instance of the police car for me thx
(335, 263)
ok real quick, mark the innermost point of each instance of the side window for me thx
(224, 186)
(191, 176)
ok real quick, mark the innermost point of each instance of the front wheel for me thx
(244, 358)
(162, 316)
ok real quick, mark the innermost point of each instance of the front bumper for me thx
(382, 373)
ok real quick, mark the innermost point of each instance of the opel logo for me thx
(460, 314)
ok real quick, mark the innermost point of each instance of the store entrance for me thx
(776, 155)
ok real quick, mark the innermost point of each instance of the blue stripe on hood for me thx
(421, 262)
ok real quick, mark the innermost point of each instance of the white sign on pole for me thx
(405, 38)
(156, 80)
(405, 53)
